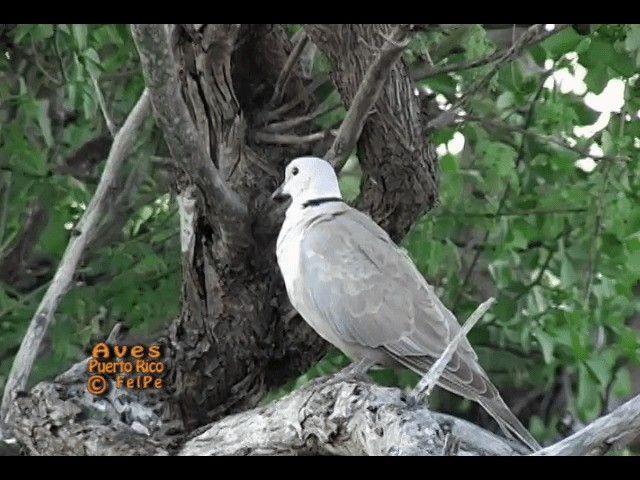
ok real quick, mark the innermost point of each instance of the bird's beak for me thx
(279, 194)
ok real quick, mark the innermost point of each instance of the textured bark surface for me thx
(345, 419)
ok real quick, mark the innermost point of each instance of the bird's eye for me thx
(295, 171)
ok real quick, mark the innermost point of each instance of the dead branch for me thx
(430, 380)
(63, 277)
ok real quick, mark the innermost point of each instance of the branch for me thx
(541, 138)
(355, 418)
(309, 90)
(63, 277)
(285, 74)
(429, 71)
(430, 380)
(613, 431)
(111, 126)
(185, 144)
(366, 96)
(290, 139)
(286, 125)
(532, 35)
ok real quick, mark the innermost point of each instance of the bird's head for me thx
(307, 179)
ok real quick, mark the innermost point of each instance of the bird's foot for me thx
(413, 400)
(355, 371)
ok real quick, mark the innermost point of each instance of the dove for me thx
(362, 293)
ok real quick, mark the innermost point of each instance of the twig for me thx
(290, 105)
(451, 445)
(103, 107)
(507, 189)
(5, 188)
(286, 125)
(285, 73)
(517, 213)
(541, 138)
(530, 36)
(593, 257)
(429, 71)
(290, 139)
(63, 277)
(24, 299)
(36, 60)
(366, 96)
(429, 381)
(56, 49)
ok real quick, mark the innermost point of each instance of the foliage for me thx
(554, 236)
(50, 122)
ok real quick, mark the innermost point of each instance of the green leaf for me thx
(80, 35)
(600, 367)
(547, 344)
(449, 165)
(44, 122)
(622, 385)
(599, 52)
(21, 31)
(588, 395)
(597, 78)
(632, 42)
(562, 42)
(41, 31)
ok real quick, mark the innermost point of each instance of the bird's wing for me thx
(371, 294)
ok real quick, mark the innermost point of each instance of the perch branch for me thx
(343, 419)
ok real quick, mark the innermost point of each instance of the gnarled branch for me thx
(185, 144)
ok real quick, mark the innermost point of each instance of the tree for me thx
(232, 103)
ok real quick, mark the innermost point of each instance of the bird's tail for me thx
(507, 421)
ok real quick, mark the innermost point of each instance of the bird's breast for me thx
(288, 256)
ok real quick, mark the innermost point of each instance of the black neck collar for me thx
(319, 201)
